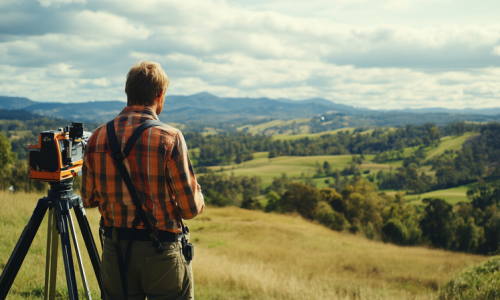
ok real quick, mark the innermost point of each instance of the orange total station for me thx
(59, 153)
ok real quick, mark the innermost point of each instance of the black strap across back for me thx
(118, 157)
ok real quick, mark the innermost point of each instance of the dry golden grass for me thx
(267, 256)
(241, 254)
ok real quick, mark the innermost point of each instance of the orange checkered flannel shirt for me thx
(158, 166)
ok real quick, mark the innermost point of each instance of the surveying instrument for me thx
(57, 159)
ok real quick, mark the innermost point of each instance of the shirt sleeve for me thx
(88, 197)
(182, 180)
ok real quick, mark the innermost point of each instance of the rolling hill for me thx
(204, 107)
(242, 254)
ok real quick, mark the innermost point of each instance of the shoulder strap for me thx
(113, 141)
(118, 157)
(137, 133)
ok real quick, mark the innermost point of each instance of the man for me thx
(165, 183)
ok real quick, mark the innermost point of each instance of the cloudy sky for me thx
(378, 54)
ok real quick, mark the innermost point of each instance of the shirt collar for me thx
(141, 109)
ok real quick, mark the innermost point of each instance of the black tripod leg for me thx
(88, 238)
(23, 244)
(63, 211)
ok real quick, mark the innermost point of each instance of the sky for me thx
(378, 54)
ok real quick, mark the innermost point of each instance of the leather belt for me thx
(141, 235)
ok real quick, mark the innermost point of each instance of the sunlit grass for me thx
(252, 255)
(450, 143)
(243, 254)
(451, 195)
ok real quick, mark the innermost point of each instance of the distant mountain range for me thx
(204, 107)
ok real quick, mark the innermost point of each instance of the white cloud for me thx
(89, 23)
(62, 70)
(46, 3)
(251, 49)
(496, 51)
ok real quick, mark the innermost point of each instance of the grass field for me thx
(259, 128)
(450, 143)
(291, 137)
(296, 166)
(243, 254)
(293, 166)
(451, 195)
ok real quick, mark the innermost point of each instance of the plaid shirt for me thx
(158, 163)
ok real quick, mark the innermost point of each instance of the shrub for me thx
(478, 283)
(216, 199)
(395, 232)
(273, 202)
(302, 199)
(330, 218)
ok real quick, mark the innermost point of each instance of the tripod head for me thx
(61, 188)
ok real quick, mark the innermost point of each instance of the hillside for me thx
(300, 168)
(243, 254)
(246, 112)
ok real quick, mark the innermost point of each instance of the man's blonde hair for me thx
(145, 81)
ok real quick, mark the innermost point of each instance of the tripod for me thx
(59, 201)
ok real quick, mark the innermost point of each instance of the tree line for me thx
(359, 208)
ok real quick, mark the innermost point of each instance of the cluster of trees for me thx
(228, 147)
(225, 148)
(223, 190)
(467, 227)
(344, 142)
(14, 173)
(359, 209)
(478, 158)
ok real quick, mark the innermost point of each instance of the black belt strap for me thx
(118, 158)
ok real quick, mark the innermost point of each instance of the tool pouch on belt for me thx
(187, 248)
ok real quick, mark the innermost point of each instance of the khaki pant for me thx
(164, 276)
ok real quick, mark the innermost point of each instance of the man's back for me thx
(158, 165)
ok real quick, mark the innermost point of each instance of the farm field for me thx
(292, 166)
(243, 254)
(450, 143)
(298, 167)
(259, 128)
(291, 137)
(451, 195)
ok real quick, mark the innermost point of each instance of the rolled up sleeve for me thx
(182, 180)
(88, 197)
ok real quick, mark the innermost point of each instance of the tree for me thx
(437, 222)
(330, 218)
(6, 156)
(468, 236)
(395, 232)
(273, 202)
(216, 199)
(484, 194)
(248, 203)
(302, 199)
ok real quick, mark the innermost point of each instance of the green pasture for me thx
(292, 137)
(450, 143)
(300, 167)
(254, 129)
(17, 134)
(447, 143)
(292, 166)
(451, 195)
